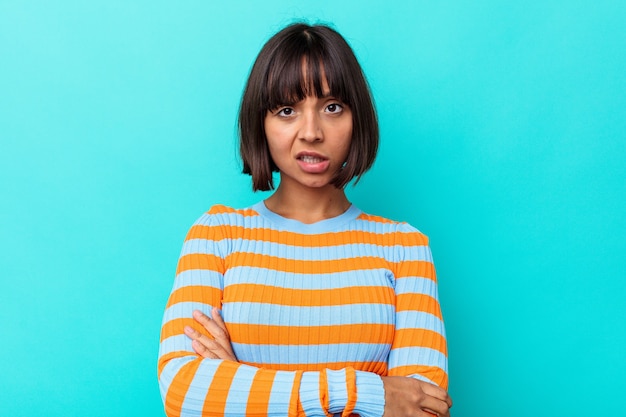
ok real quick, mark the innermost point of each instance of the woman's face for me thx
(309, 140)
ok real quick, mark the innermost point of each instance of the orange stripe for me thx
(415, 269)
(296, 239)
(199, 231)
(178, 388)
(420, 338)
(323, 389)
(285, 335)
(268, 294)
(435, 374)
(305, 267)
(215, 401)
(200, 261)
(295, 408)
(175, 327)
(198, 293)
(379, 368)
(418, 302)
(377, 219)
(222, 209)
(259, 398)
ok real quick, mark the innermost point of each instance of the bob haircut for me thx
(278, 78)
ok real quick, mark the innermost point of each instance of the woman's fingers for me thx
(217, 318)
(221, 333)
(205, 346)
(202, 344)
(437, 400)
(207, 323)
(435, 406)
(201, 350)
(437, 392)
(219, 346)
(405, 396)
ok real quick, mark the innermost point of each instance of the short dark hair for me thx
(277, 78)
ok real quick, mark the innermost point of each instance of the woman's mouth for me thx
(312, 164)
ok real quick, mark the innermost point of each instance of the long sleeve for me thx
(194, 386)
(419, 347)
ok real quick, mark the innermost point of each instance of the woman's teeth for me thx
(310, 159)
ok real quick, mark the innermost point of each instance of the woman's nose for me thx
(311, 129)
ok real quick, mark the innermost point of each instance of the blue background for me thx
(503, 138)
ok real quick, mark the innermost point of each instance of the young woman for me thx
(324, 309)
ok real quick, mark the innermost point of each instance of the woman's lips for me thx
(312, 163)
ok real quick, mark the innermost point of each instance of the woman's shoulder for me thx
(402, 229)
(220, 214)
(218, 209)
(221, 221)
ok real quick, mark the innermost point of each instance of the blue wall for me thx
(503, 138)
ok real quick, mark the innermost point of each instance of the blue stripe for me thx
(195, 398)
(204, 220)
(280, 395)
(419, 285)
(185, 309)
(311, 354)
(417, 355)
(419, 320)
(239, 391)
(310, 394)
(232, 219)
(290, 280)
(237, 219)
(198, 245)
(337, 390)
(415, 253)
(371, 395)
(174, 344)
(169, 372)
(198, 277)
(262, 313)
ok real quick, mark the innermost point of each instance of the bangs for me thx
(299, 70)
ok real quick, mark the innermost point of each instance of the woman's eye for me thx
(334, 108)
(286, 111)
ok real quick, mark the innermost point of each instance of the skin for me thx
(309, 142)
(317, 127)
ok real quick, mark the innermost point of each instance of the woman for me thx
(324, 309)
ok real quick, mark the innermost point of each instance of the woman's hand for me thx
(406, 396)
(217, 348)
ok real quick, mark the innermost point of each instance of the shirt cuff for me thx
(370, 400)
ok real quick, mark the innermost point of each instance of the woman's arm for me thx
(419, 347)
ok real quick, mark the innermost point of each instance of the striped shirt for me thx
(316, 314)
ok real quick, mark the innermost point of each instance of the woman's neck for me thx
(308, 205)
